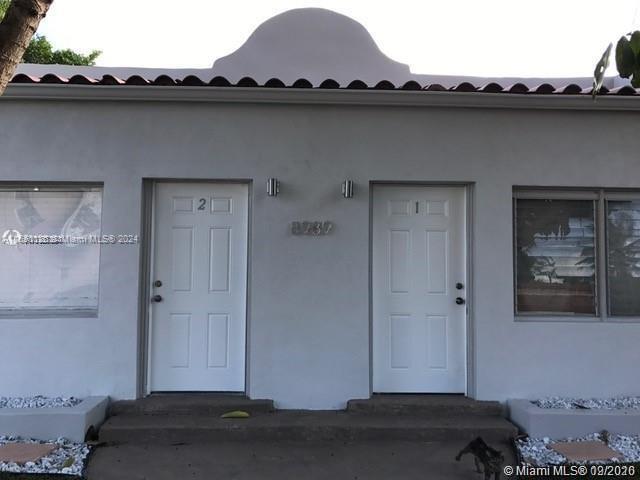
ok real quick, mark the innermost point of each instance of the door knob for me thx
(156, 298)
(157, 283)
(460, 301)
(459, 286)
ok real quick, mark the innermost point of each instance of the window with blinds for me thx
(59, 275)
(623, 256)
(577, 253)
(555, 256)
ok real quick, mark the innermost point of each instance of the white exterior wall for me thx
(309, 337)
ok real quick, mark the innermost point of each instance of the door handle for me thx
(460, 301)
(156, 298)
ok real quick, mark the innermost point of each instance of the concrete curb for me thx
(71, 423)
(562, 423)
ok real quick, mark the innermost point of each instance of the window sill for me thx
(47, 313)
(558, 318)
(573, 319)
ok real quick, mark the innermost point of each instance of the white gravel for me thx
(537, 451)
(38, 402)
(568, 403)
(68, 458)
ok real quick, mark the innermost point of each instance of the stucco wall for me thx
(309, 297)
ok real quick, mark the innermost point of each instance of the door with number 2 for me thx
(198, 313)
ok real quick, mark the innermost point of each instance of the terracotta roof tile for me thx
(626, 90)
(544, 89)
(274, 83)
(51, 78)
(192, 81)
(218, 82)
(357, 85)
(328, 84)
(572, 89)
(247, 82)
(82, 80)
(464, 87)
(434, 87)
(137, 80)
(165, 81)
(23, 78)
(492, 87)
(385, 85)
(411, 85)
(302, 83)
(111, 80)
(518, 88)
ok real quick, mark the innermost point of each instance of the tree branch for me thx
(16, 30)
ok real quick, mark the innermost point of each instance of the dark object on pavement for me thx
(490, 458)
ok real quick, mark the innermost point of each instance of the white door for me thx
(198, 322)
(419, 331)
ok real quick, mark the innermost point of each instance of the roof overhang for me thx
(313, 96)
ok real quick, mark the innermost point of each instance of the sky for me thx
(456, 37)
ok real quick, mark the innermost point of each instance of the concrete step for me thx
(301, 426)
(189, 404)
(425, 405)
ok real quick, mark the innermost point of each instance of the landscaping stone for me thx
(541, 451)
(587, 450)
(22, 453)
(568, 403)
(63, 457)
(39, 401)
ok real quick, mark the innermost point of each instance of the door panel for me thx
(197, 330)
(419, 255)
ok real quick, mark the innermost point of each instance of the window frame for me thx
(53, 312)
(599, 196)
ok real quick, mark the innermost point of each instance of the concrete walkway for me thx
(374, 460)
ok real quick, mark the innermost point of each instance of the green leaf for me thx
(39, 50)
(625, 58)
(69, 57)
(601, 68)
(635, 81)
(235, 414)
(4, 4)
(634, 42)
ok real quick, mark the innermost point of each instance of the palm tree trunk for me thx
(16, 30)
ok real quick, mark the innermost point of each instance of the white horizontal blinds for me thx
(555, 256)
(623, 257)
(50, 276)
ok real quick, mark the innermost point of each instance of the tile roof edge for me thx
(304, 95)
(356, 84)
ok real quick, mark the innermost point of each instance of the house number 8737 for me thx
(311, 228)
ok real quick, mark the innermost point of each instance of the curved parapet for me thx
(312, 43)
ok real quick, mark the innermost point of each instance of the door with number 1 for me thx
(419, 291)
(198, 294)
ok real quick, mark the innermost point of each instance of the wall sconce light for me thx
(273, 187)
(347, 189)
